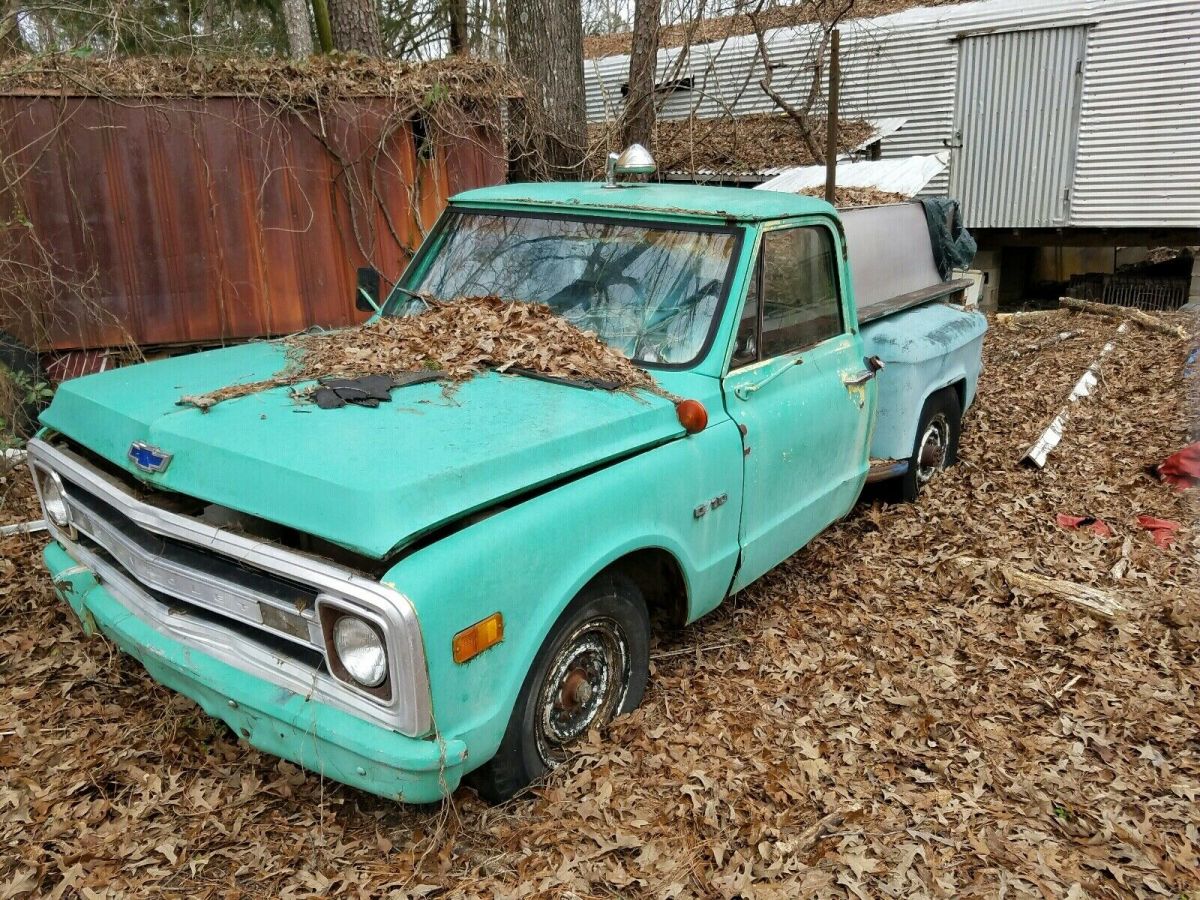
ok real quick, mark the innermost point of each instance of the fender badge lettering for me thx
(702, 510)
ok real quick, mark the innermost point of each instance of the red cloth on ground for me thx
(1182, 468)
(1162, 530)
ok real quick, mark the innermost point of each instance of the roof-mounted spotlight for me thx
(635, 160)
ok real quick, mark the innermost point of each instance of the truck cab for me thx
(437, 590)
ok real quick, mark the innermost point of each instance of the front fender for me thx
(528, 562)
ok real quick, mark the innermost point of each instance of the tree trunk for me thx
(295, 19)
(321, 18)
(456, 11)
(643, 58)
(355, 26)
(545, 48)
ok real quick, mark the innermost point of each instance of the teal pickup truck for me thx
(449, 588)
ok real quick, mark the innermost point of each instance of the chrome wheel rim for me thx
(931, 452)
(585, 686)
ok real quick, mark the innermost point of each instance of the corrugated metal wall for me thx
(170, 221)
(1015, 124)
(1139, 123)
(1138, 160)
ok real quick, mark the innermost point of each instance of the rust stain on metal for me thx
(205, 220)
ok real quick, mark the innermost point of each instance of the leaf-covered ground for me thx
(874, 718)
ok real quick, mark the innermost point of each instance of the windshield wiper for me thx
(586, 384)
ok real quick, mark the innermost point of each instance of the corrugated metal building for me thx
(1060, 114)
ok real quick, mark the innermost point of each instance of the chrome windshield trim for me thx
(410, 709)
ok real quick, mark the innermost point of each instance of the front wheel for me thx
(936, 446)
(593, 667)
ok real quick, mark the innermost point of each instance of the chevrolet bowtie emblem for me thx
(149, 458)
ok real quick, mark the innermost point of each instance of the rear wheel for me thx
(936, 445)
(592, 668)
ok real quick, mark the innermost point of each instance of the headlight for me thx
(54, 499)
(360, 649)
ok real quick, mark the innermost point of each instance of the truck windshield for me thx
(650, 291)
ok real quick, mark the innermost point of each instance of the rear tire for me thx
(593, 667)
(936, 444)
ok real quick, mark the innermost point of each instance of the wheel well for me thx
(960, 390)
(659, 577)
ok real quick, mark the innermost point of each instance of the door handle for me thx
(873, 365)
(858, 379)
(743, 391)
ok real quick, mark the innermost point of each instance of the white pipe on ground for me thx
(1083, 387)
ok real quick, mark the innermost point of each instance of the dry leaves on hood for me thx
(457, 339)
(871, 719)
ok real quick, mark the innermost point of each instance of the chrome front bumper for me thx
(247, 602)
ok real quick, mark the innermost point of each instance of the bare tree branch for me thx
(801, 115)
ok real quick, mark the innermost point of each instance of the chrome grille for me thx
(211, 582)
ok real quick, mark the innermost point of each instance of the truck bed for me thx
(891, 260)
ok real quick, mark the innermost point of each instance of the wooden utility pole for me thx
(831, 118)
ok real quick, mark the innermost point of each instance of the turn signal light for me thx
(692, 415)
(470, 642)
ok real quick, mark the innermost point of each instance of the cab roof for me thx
(723, 203)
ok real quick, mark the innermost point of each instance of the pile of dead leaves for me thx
(871, 719)
(729, 144)
(323, 77)
(850, 197)
(455, 339)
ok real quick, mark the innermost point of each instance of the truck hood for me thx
(367, 479)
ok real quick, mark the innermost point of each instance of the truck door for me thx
(801, 391)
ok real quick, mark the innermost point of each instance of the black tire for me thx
(937, 433)
(580, 649)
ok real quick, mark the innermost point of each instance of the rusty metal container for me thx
(183, 221)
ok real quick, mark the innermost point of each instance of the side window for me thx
(745, 350)
(800, 305)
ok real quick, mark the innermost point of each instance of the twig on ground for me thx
(1144, 319)
(1092, 600)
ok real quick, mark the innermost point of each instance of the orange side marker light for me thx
(470, 642)
(692, 415)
